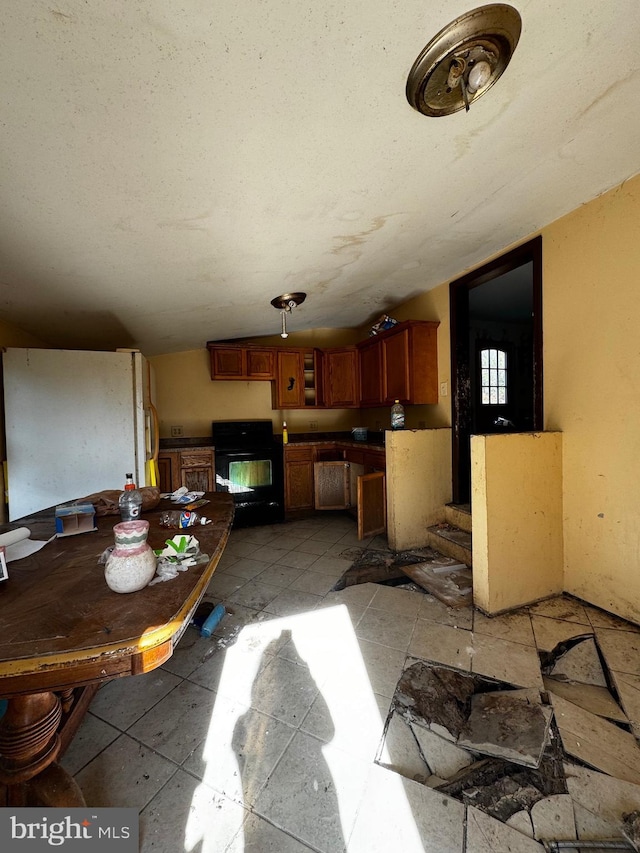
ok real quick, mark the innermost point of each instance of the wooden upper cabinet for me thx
(260, 363)
(241, 362)
(423, 362)
(226, 362)
(400, 364)
(396, 362)
(370, 373)
(341, 377)
(288, 390)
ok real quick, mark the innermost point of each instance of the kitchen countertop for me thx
(297, 441)
(375, 440)
(184, 443)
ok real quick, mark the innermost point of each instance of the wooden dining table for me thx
(63, 632)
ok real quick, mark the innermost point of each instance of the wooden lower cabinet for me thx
(344, 485)
(372, 504)
(332, 477)
(332, 485)
(168, 464)
(192, 467)
(298, 478)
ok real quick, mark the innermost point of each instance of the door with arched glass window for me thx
(496, 353)
(494, 378)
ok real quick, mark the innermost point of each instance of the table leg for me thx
(29, 746)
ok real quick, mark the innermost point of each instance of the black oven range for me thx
(249, 466)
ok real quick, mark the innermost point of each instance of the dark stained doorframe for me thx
(462, 402)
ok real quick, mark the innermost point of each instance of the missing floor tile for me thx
(422, 570)
(377, 566)
(484, 742)
(503, 750)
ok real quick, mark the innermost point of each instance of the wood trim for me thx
(531, 251)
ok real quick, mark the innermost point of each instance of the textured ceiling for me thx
(168, 168)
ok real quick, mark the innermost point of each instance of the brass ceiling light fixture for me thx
(463, 60)
(284, 303)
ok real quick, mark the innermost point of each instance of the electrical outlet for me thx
(176, 431)
(313, 425)
(444, 389)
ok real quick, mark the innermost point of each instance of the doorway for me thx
(496, 353)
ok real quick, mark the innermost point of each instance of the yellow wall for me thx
(12, 336)
(516, 485)
(592, 392)
(591, 357)
(418, 483)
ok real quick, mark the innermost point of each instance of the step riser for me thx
(450, 549)
(457, 518)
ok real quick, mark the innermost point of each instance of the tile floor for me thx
(262, 739)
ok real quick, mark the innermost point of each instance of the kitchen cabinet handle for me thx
(292, 382)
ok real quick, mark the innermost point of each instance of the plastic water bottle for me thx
(397, 415)
(130, 500)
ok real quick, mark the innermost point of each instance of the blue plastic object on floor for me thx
(210, 623)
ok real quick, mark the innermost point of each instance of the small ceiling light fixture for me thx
(463, 60)
(284, 304)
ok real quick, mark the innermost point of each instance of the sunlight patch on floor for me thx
(325, 641)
